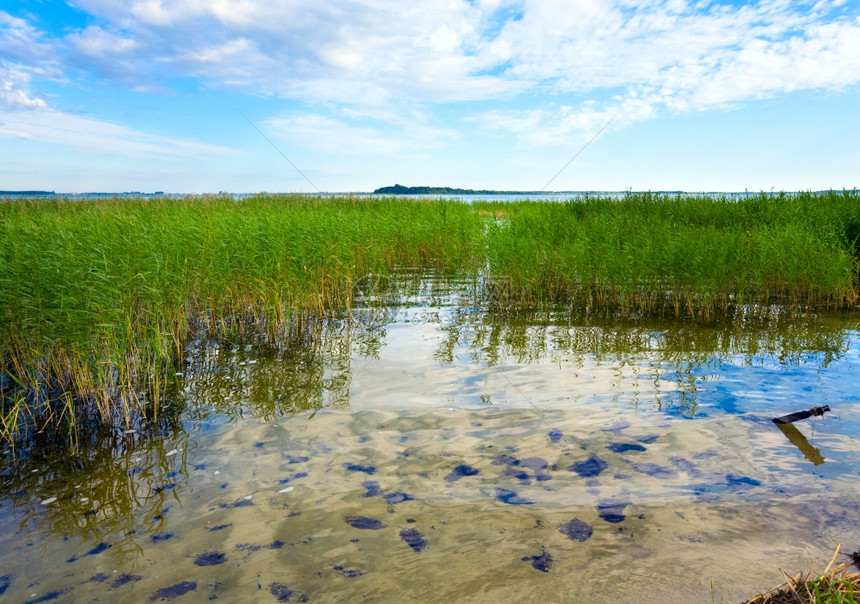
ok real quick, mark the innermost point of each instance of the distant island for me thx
(401, 190)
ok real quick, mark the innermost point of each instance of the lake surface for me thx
(431, 449)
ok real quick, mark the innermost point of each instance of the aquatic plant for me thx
(833, 586)
(99, 299)
(679, 255)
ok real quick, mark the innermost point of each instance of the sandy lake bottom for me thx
(434, 454)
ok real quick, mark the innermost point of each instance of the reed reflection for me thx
(119, 487)
(682, 354)
(112, 491)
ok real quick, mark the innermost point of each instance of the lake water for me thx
(432, 450)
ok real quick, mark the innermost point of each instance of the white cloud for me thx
(25, 114)
(665, 58)
(97, 42)
(348, 51)
(23, 53)
(374, 51)
(565, 125)
(371, 63)
(21, 43)
(94, 136)
(14, 90)
(336, 136)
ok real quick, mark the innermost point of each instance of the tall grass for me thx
(98, 299)
(678, 254)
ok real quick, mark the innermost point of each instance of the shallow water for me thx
(432, 451)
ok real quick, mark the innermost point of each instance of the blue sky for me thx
(146, 95)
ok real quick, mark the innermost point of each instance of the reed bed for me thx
(98, 299)
(677, 255)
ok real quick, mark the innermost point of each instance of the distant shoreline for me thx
(424, 190)
(400, 190)
(29, 193)
(85, 194)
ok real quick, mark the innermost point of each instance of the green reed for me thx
(681, 255)
(99, 299)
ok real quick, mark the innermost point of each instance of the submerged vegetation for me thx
(99, 299)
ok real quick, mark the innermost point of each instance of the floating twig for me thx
(799, 415)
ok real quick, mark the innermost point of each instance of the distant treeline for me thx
(28, 193)
(402, 190)
(89, 195)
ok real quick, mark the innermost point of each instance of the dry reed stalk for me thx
(834, 584)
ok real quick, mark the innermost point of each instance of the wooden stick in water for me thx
(799, 415)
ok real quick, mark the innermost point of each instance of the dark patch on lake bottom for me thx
(283, 593)
(413, 539)
(459, 472)
(295, 476)
(373, 490)
(612, 510)
(219, 527)
(123, 579)
(210, 559)
(624, 447)
(363, 522)
(347, 572)
(541, 562)
(161, 537)
(576, 530)
(537, 465)
(354, 467)
(101, 547)
(738, 481)
(511, 497)
(505, 460)
(397, 497)
(5, 582)
(589, 467)
(519, 468)
(51, 595)
(521, 475)
(242, 503)
(174, 591)
(255, 547)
